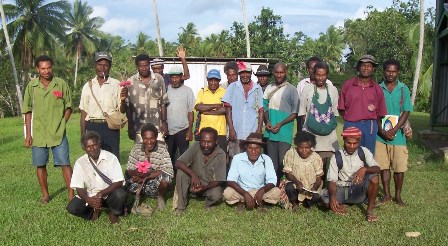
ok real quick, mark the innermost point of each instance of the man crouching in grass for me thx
(252, 177)
(352, 176)
(98, 180)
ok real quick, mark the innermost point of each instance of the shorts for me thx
(388, 155)
(353, 194)
(60, 154)
(151, 187)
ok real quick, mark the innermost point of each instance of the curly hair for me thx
(304, 137)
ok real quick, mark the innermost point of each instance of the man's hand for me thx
(200, 188)
(268, 126)
(276, 128)
(232, 135)
(249, 200)
(336, 207)
(385, 135)
(259, 196)
(131, 133)
(95, 201)
(189, 136)
(164, 129)
(195, 182)
(124, 93)
(359, 176)
(28, 141)
(137, 179)
(181, 52)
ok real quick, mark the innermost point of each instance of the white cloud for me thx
(100, 11)
(124, 27)
(212, 28)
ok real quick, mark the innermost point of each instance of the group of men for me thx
(236, 122)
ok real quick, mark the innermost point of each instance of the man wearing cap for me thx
(352, 176)
(263, 75)
(244, 108)
(231, 71)
(47, 106)
(281, 104)
(361, 102)
(390, 146)
(157, 66)
(146, 100)
(211, 111)
(106, 92)
(180, 114)
(251, 180)
(201, 171)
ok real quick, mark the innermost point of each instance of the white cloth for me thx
(306, 81)
(108, 96)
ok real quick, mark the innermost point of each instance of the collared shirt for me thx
(361, 103)
(217, 122)
(85, 176)
(181, 103)
(304, 170)
(145, 101)
(108, 96)
(244, 110)
(212, 170)
(351, 164)
(48, 123)
(158, 157)
(307, 81)
(252, 176)
(280, 105)
(399, 94)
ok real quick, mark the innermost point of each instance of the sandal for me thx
(44, 201)
(371, 217)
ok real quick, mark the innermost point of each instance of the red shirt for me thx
(361, 103)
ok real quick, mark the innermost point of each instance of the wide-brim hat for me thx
(262, 70)
(367, 58)
(254, 138)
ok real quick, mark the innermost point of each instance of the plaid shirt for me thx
(158, 157)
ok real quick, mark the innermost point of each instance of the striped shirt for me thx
(158, 157)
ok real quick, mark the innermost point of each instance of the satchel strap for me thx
(106, 179)
(97, 103)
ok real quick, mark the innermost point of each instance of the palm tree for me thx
(189, 36)
(420, 51)
(246, 27)
(83, 31)
(159, 38)
(11, 57)
(35, 27)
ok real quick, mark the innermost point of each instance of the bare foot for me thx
(113, 218)
(239, 207)
(371, 217)
(44, 201)
(161, 203)
(261, 208)
(383, 201)
(295, 207)
(400, 202)
(95, 215)
(179, 212)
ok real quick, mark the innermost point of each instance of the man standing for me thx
(361, 102)
(352, 176)
(158, 64)
(231, 71)
(101, 96)
(251, 179)
(146, 100)
(390, 146)
(98, 180)
(211, 111)
(244, 108)
(201, 170)
(47, 106)
(180, 114)
(263, 75)
(281, 104)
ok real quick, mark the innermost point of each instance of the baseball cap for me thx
(175, 70)
(367, 58)
(102, 55)
(214, 73)
(244, 67)
(157, 62)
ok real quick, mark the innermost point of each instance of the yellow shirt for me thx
(217, 122)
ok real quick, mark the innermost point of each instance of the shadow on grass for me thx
(58, 192)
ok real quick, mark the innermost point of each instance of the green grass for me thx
(24, 222)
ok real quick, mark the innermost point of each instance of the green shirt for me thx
(399, 94)
(47, 108)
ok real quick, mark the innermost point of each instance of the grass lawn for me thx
(23, 221)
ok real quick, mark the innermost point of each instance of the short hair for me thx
(391, 62)
(142, 57)
(90, 135)
(321, 65)
(230, 65)
(304, 137)
(311, 59)
(149, 127)
(209, 130)
(41, 59)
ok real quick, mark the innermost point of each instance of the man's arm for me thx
(182, 54)
(83, 121)
(67, 114)
(94, 201)
(290, 118)
(248, 199)
(334, 204)
(123, 96)
(28, 138)
(189, 134)
(359, 175)
(164, 129)
(232, 132)
(293, 179)
(195, 181)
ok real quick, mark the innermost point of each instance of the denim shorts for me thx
(60, 154)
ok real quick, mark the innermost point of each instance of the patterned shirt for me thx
(146, 100)
(158, 157)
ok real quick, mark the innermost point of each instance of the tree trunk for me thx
(420, 51)
(11, 58)
(159, 39)
(78, 50)
(246, 27)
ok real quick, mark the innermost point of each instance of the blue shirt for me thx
(244, 111)
(252, 176)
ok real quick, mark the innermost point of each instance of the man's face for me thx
(279, 73)
(213, 84)
(45, 70)
(391, 73)
(149, 140)
(158, 69)
(232, 76)
(102, 68)
(253, 151)
(245, 77)
(263, 80)
(366, 70)
(304, 149)
(351, 144)
(175, 80)
(311, 70)
(321, 77)
(144, 69)
(207, 143)
(92, 148)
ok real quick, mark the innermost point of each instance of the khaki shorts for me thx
(388, 155)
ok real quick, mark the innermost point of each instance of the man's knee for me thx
(119, 194)
(375, 180)
(290, 187)
(215, 194)
(76, 206)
